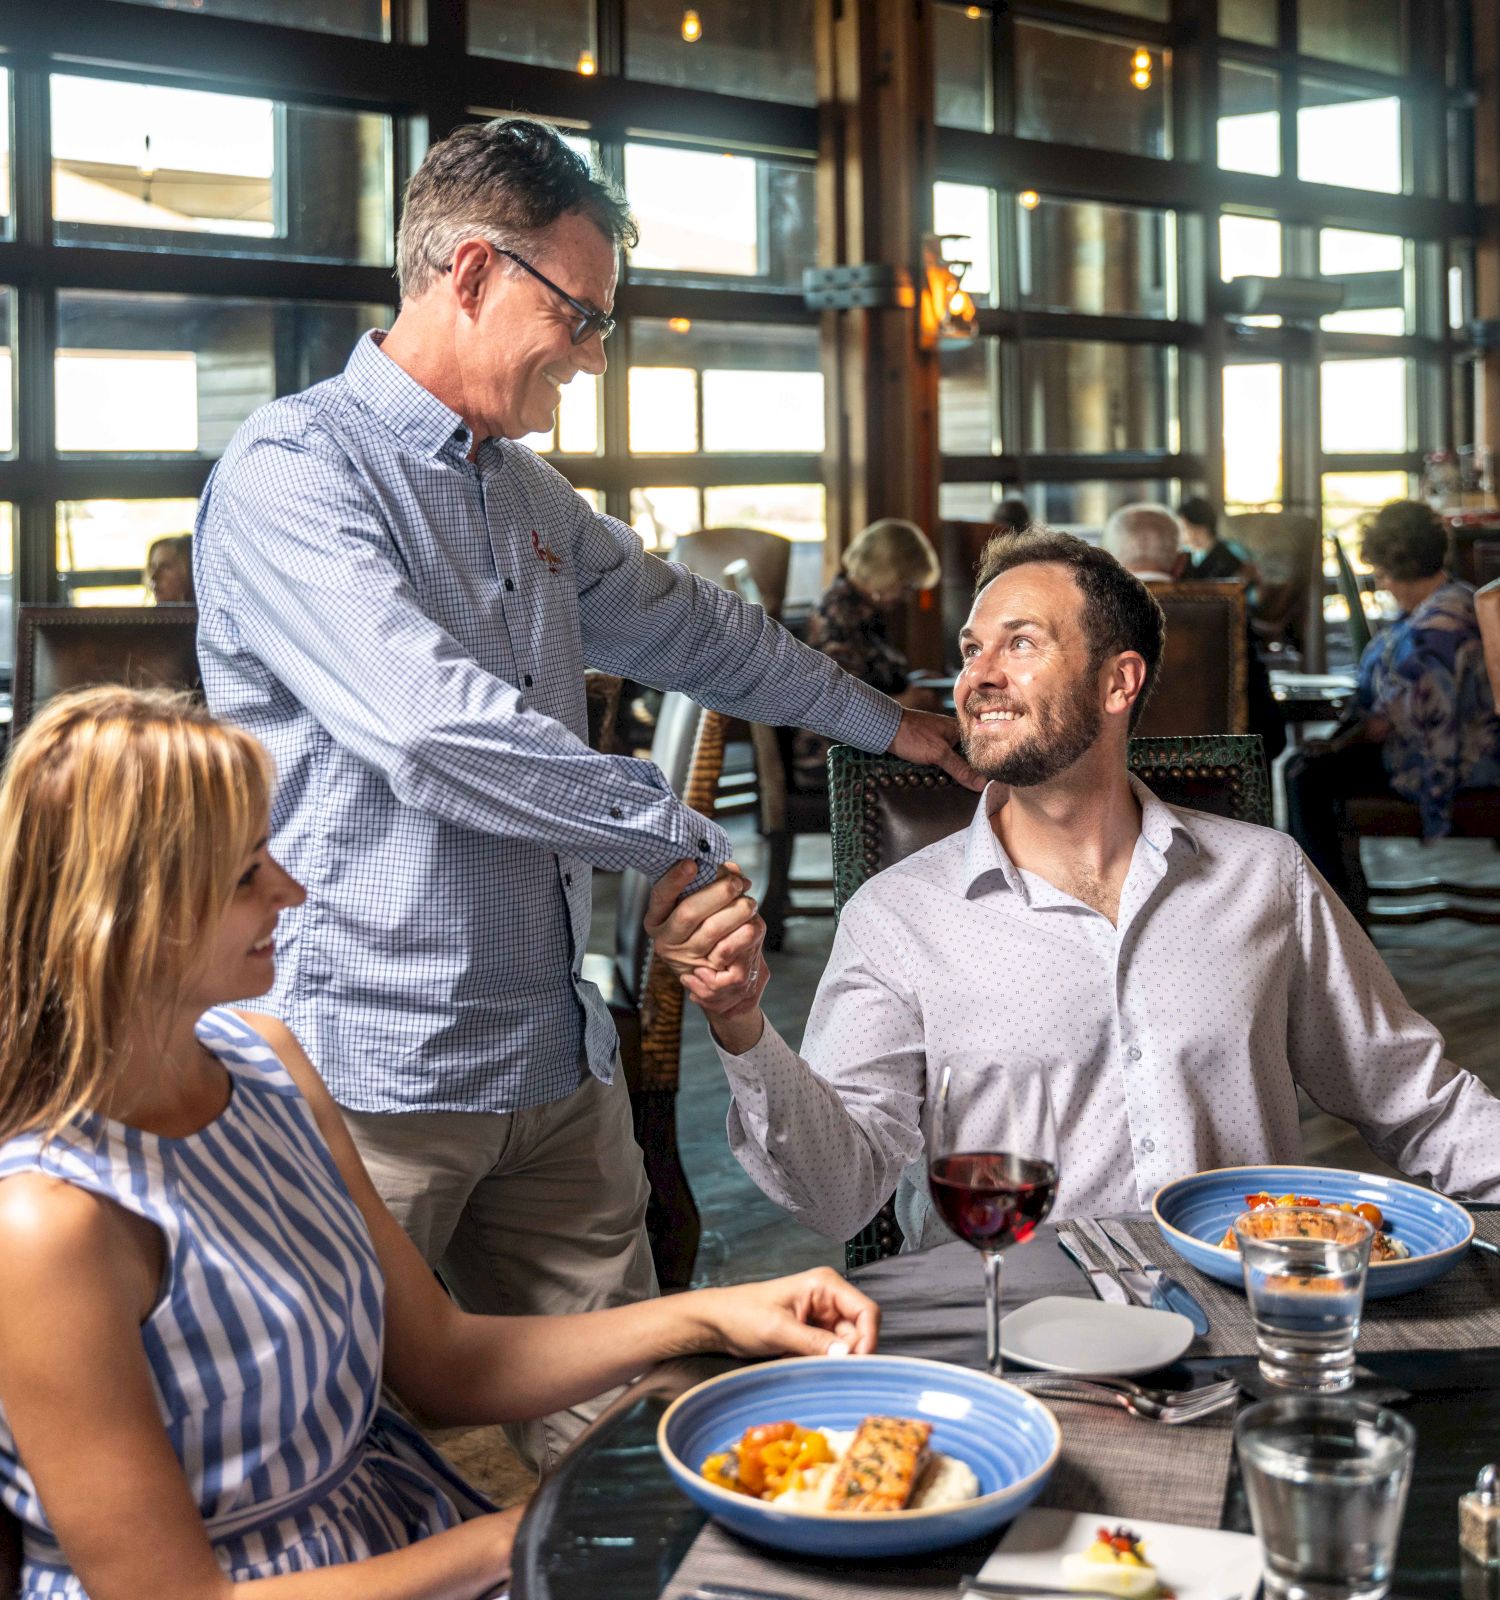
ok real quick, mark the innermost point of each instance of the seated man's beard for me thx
(1064, 728)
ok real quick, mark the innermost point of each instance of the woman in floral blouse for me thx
(1424, 724)
(889, 560)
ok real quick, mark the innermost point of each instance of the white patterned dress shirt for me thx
(405, 630)
(1172, 1042)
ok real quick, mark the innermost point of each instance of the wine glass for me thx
(992, 1166)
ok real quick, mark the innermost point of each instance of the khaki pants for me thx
(534, 1211)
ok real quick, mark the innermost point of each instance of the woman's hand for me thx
(798, 1316)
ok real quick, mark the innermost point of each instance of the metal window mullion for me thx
(610, 37)
(35, 553)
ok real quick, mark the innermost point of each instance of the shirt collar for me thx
(984, 855)
(414, 414)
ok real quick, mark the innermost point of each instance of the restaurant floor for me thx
(1446, 969)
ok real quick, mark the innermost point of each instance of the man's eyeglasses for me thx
(589, 321)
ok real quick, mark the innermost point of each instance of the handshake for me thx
(712, 939)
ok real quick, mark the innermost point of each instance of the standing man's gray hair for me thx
(502, 181)
(1144, 538)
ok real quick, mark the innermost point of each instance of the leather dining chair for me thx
(646, 1002)
(711, 550)
(1202, 685)
(72, 647)
(1287, 548)
(884, 809)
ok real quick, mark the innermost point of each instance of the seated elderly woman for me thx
(201, 1294)
(889, 560)
(1423, 724)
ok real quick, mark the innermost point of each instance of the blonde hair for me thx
(892, 554)
(125, 818)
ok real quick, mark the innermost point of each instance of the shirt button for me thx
(509, 585)
(568, 879)
(616, 813)
(527, 680)
(458, 434)
(1148, 1145)
(1133, 1053)
(703, 844)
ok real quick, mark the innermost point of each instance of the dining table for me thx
(609, 1522)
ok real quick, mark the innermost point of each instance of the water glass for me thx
(1305, 1270)
(1326, 1479)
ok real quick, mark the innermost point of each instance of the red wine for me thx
(992, 1199)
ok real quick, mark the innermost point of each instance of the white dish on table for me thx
(1194, 1563)
(1061, 1334)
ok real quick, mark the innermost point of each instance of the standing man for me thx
(399, 600)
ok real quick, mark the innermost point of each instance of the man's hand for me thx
(798, 1316)
(929, 740)
(713, 932)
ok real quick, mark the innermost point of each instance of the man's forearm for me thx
(739, 1034)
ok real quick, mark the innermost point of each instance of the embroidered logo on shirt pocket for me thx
(550, 558)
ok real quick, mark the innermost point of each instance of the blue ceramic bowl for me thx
(1195, 1213)
(1009, 1440)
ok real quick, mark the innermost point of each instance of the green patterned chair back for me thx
(885, 809)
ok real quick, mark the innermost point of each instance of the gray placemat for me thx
(1458, 1312)
(1110, 1463)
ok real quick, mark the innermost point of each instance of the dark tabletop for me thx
(610, 1523)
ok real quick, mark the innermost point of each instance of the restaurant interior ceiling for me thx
(198, 201)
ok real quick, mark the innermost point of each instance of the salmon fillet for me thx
(880, 1468)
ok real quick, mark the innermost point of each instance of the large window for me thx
(150, 165)
(1123, 353)
(207, 246)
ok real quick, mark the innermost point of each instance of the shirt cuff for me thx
(769, 1060)
(871, 719)
(704, 842)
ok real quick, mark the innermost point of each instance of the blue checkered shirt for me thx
(406, 631)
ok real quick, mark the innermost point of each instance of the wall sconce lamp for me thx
(946, 309)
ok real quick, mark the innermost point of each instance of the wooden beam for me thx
(1486, 22)
(876, 165)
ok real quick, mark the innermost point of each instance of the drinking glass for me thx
(1326, 1479)
(992, 1166)
(1305, 1270)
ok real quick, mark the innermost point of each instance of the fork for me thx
(1156, 1405)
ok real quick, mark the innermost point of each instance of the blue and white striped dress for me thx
(265, 1347)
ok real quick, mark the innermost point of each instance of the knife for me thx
(988, 1586)
(1175, 1296)
(1104, 1286)
(1137, 1285)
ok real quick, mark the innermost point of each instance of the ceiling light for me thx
(1030, 199)
(692, 26)
(679, 324)
(974, 13)
(586, 63)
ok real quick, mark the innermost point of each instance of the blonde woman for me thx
(200, 1292)
(885, 563)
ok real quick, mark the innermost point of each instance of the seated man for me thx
(1179, 974)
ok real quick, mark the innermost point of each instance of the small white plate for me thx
(1194, 1563)
(1061, 1334)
